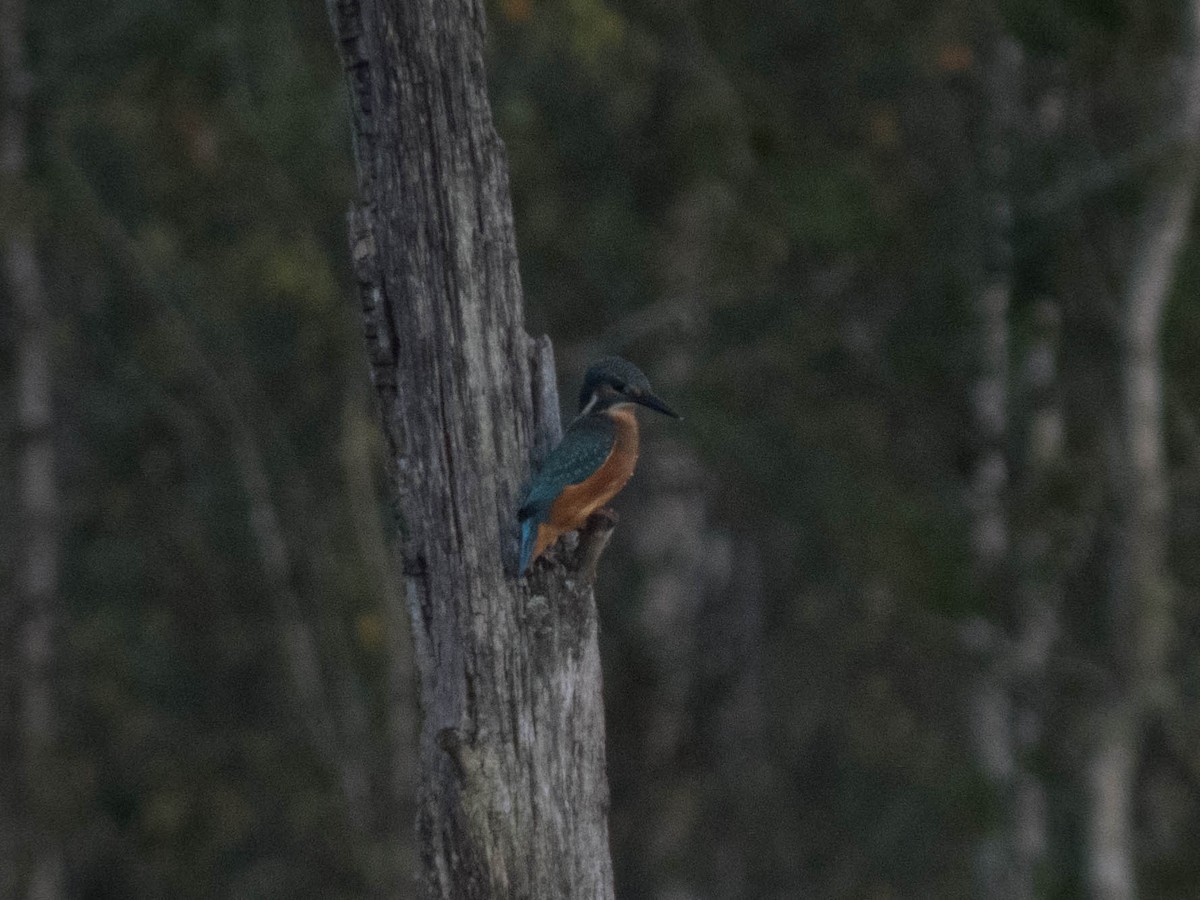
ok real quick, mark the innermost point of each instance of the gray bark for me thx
(1141, 584)
(513, 793)
(39, 871)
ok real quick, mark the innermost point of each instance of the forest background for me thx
(906, 607)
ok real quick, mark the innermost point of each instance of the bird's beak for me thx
(657, 405)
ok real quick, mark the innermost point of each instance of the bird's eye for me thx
(619, 386)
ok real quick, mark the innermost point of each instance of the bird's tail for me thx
(529, 532)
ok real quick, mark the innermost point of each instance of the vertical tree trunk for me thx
(701, 732)
(1000, 872)
(513, 793)
(1141, 601)
(37, 501)
(1038, 590)
(378, 551)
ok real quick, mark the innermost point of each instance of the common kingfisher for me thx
(594, 459)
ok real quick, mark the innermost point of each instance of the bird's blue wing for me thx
(582, 451)
(529, 530)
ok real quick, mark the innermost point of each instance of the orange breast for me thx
(578, 501)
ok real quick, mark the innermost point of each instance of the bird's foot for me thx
(593, 538)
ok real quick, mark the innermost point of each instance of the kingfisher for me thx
(594, 459)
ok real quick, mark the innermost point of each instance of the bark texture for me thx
(513, 794)
(37, 871)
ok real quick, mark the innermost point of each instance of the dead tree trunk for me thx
(513, 794)
(40, 863)
(1141, 615)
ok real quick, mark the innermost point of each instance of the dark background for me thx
(789, 214)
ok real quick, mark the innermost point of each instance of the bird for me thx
(594, 459)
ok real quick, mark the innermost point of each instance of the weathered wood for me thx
(513, 793)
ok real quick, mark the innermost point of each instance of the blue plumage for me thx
(610, 384)
(582, 451)
(529, 530)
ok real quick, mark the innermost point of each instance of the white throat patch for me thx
(591, 404)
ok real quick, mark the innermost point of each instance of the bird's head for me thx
(613, 381)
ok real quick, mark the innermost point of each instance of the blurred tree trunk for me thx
(1141, 613)
(1038, 584)
(513, 793)
(40, 862)
(1002, 870)
(333, 715)
(701, 728)
(360, 459)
